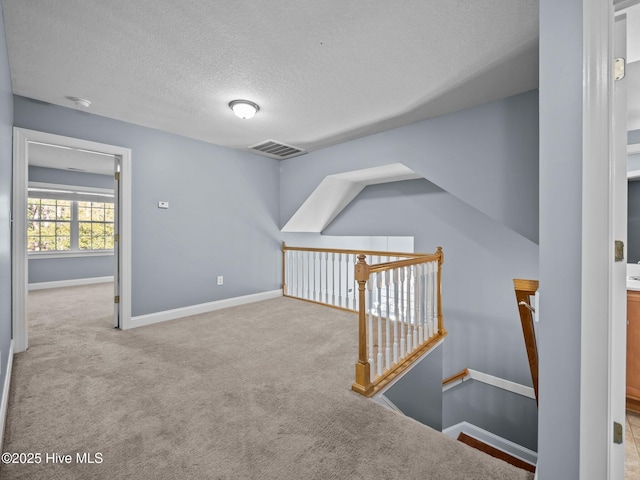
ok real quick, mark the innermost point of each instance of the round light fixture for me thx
(80, 102)
(244, 108)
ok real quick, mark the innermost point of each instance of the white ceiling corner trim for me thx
(336, 191)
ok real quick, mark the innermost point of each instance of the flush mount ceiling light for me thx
(80, 102)
(244, 108)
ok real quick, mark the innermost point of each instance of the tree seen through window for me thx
(69, 225)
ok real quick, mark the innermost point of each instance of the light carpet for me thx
(259, 391)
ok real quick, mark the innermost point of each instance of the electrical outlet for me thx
(220, 279)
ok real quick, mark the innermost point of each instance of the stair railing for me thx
(399, 317)
(397, 296)
(525, 289)
(327, 276)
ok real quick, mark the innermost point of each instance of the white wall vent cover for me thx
(277, 150)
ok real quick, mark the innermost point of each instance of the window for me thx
(70, 221)
(49, 226)
(95, 221)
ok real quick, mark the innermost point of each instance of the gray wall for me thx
(633, 223)
(222, 218)
(70, 268)
(561, 67)
(418, 393)
(633, 162)
(484, 247)
(65, 177)
(503, 413)
(487, 156)
(6, 141)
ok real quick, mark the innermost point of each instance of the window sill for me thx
(41, 255)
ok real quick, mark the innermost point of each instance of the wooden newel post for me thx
(363, 383)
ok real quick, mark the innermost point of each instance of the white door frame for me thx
(600, 392)
(19, 269)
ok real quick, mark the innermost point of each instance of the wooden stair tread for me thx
(494, 452)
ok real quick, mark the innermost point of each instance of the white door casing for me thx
(19, 271)
(600, 392)
(618, 286)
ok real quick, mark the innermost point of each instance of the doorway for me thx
(83, 151)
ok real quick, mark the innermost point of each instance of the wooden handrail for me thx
(458, 376)
(380, 267)
(524, 289)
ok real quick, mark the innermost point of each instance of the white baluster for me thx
(378, 288)
(396, 320)
(347, 279)
(307, 275)
(291, 281)
(401, 313)
(287, 271)
(320, 277)
(311, 275)
(301, 276)
(425, 300)
(370, 328)
(432, 297)
(435, 297)
(416, 306)
(300, 279)
(419, 302)
(428, 305)
(340, 279)
(408, 309)
(333, 278)
(317, 275)
(354, 287)
(387, 321)
(425, 296)
(326, 277)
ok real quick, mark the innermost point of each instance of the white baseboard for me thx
(70, 283)
(151, 318)
(4, 403)
(386, 403)
(495, 382)
(495, 441)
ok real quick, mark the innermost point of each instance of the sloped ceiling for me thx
(336, 191)
(322, 72)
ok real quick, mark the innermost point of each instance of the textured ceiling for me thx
(322, 72)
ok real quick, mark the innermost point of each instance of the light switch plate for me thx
(163, 204)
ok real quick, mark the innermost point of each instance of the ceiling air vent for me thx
(277, 150)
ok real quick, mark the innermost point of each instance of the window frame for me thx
(72, 193)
